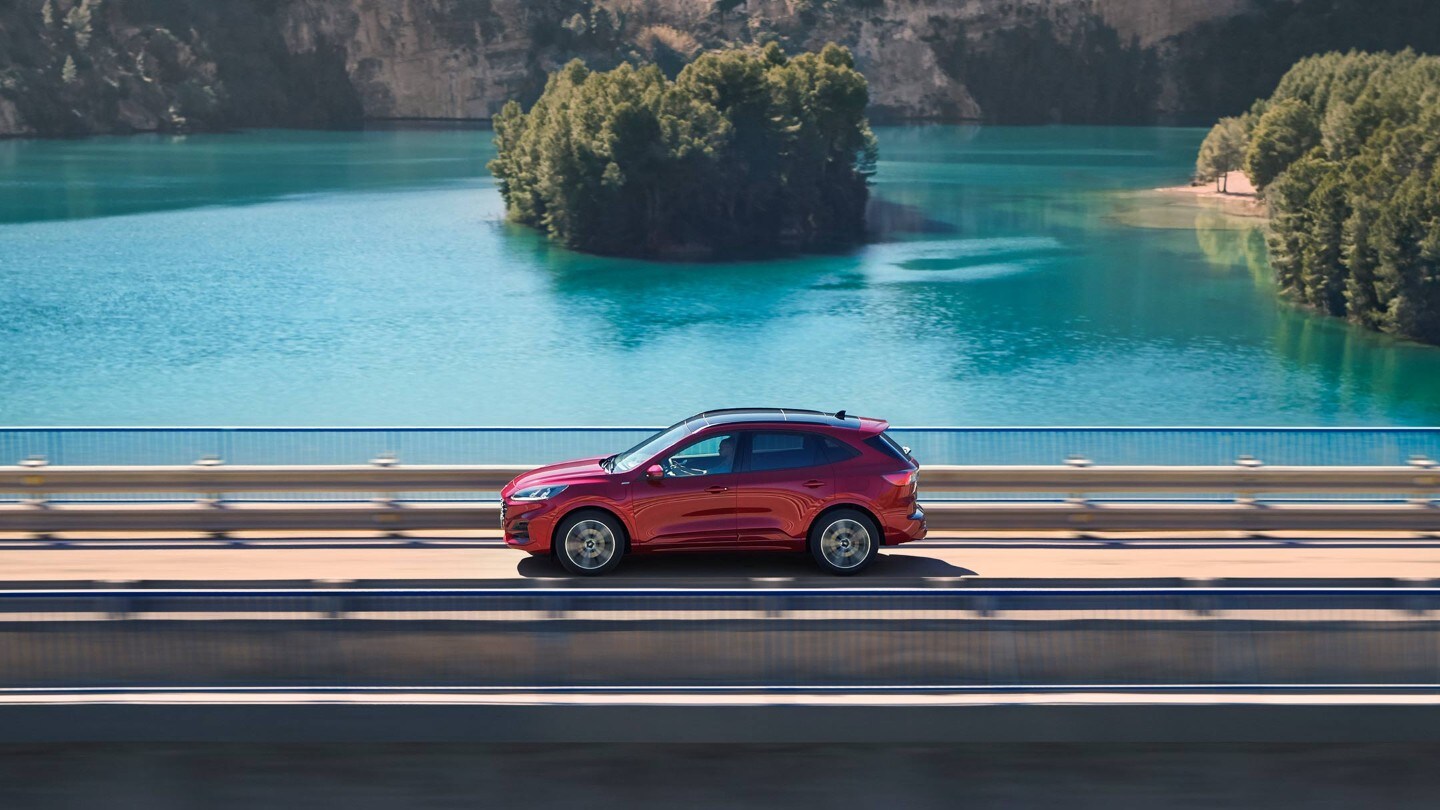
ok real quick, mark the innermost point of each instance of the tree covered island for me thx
(1346, 154)
(745, 153)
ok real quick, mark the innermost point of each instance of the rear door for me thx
(784, 480)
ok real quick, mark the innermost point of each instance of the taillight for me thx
(903, 479)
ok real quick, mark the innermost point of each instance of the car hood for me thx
(566, 472)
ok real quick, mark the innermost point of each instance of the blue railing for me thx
(538, 445)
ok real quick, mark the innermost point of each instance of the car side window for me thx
(888, 446)
(837, 451)
(712, 455)
(785, 450)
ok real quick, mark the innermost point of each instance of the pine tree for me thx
(745, 152)
(68, 73)
(1347, 151)
(79, 21)
(1284, 133)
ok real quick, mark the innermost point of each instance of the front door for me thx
(693, 505)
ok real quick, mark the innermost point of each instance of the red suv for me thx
(752, 479)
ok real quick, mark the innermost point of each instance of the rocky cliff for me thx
(85, 66)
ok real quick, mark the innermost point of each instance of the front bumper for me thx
(527, 525)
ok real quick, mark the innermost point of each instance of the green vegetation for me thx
(1286, 132)
(1347, 155)
(746, 152)
(1223, 150)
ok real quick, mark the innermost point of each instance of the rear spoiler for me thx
(870, 427)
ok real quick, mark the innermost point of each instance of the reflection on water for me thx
(957, 259)
(1021, 276)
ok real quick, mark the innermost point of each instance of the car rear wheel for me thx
(845, 541)
(589, 543)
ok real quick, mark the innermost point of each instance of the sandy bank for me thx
(1239, 198)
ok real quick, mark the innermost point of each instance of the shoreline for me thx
(1241, 200)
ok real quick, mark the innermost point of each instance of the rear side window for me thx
(887, 445)
(785, 450)
(837, 451)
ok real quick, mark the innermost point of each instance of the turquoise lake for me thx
(1023, 276)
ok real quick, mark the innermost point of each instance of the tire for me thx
(845, 541)
(589, 543)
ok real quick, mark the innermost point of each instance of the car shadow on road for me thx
(706, 565)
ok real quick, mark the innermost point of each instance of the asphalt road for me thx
(480, 558)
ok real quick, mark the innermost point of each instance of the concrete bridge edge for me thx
(870, 719)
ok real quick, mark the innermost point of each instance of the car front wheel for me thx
(589, 543)
(844, 541)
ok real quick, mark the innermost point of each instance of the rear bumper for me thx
(905, 528)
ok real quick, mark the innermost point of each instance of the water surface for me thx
(274, 278)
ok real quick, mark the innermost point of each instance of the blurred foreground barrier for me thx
(1203, 638)
(388, 496)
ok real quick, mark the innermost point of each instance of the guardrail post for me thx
(209, 498)
(331, 606)
(118, 608)
(552, 644)
(37, 498)
(1244, 497)
(1079, 462)
(387, 461)
(1421, 497)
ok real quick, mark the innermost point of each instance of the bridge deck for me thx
(479, 557)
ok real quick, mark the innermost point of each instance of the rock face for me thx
(87, 66)
(428, 58)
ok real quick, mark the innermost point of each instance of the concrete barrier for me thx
(867, 720)
(716, 652)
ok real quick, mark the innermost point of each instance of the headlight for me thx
(537, 493)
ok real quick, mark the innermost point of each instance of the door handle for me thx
(814, 482)
(716, 490)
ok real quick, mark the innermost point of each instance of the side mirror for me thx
(654, 472)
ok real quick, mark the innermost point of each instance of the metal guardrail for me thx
(394, 497)
(974, 516)
(35, 480)
(743, 639)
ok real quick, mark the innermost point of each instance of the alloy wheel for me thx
(845, 543)
(590, 544)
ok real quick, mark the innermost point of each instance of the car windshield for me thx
(640, 453)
